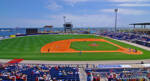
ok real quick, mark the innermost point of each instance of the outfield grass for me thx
(85, 46)
(29, 48)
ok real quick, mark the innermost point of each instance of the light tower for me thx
(64, 19)
(116, 16)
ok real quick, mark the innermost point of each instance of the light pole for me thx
(116, 16)
(64, 19)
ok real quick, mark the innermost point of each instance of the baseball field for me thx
(29, 48)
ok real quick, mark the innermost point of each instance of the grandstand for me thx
(32, 72)
(75, 57)
(134, 37)
(74, 72)
(104, 56)
(74, 40)
(69, 64)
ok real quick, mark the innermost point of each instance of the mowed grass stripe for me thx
(29, 48)
(85, 46)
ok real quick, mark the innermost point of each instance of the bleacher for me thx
(133, 72)
(29, 72)
(137, 38)
(47, 72)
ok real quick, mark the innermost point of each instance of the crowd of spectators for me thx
(134, 74)
(46, 72)
(34, 72)
(139, 38)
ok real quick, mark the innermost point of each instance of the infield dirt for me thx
(63, 46)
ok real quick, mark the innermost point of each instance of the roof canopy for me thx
(141, 23)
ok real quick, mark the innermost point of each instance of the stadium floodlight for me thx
(64, 19)
(116, 16)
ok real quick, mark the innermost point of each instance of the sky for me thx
(82, 13)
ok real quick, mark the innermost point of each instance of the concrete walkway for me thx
(4, 60)
(86, 62)
(80, 62)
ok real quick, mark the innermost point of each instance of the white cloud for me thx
(84, 20)
(24, 22)
(96, 20)
(54, 6)
(129, 0)
(107, 10)
(128, 3)
(134, 5)
(126, 11)
(75, 1)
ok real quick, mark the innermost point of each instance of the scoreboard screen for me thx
(31, 31)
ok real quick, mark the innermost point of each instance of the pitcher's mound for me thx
(93, 44)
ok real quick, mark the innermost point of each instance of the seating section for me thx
(46, 72)
(34, 72)
(133, 74)
(138, 38)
